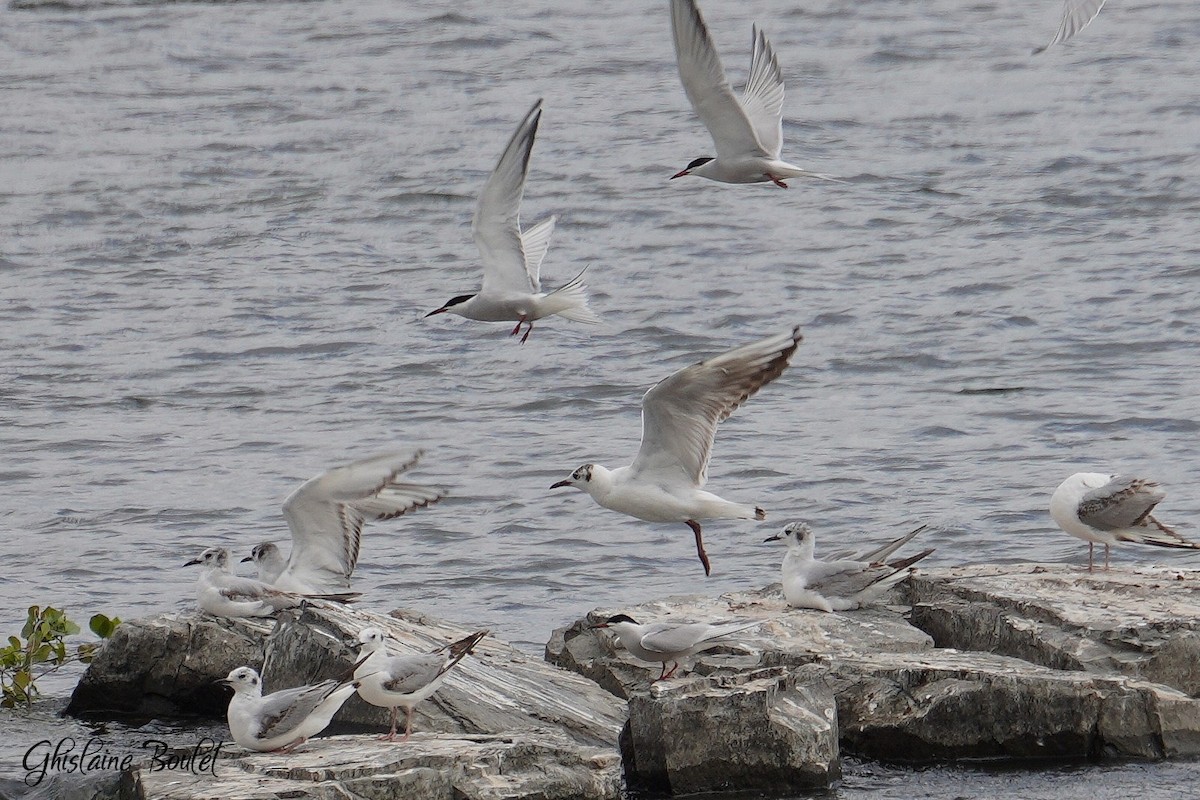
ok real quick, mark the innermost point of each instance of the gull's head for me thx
(580, 478)
(212, 558)
(370, 639)
(614, 621)
(696, 164)
(794, 533)
(453, 305)
(243, 679)
(267, 551)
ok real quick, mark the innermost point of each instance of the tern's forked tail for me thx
(570, 300)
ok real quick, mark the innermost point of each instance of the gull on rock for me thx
(403, 681)
(282, 720)
(747, 131)
(1107, 509)
(679, 422)
(512, 258)
(849, 581)
(326, 516)
(224, 594)
(668, 642)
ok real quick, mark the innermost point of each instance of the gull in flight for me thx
(326, 515)
(747, 132)
(282, 720)
(224, 594)
(403, 681)
(512, 258)
(679, 422)
(1077, 15)
(1106, 509)
(846, 582)
(667, 642)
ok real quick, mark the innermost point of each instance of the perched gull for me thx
(669, 642)
(1077, 15)
(326, 516)
(285, 719)
(511, 257)
(224, 594)
(679, 421)
(1106, 509)
(849, 582)
(403, 681)
(747, 133)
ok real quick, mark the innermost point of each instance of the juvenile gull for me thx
(403, 681)
(512, 258)
(1106, 509)
(842, 584)
(679, 422)
(747, 133)
(326, 516)
(282, 720)
(668, 642)
(1077, 15)
(220, 592)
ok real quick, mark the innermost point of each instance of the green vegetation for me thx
(42, 648)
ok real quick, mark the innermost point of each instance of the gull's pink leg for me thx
(408, 712)
(391, 737)
(1091, 546)
(1106, 558)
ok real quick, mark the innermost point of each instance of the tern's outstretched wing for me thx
(1077, 15)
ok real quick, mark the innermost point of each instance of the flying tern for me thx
(224, 594)
(326, 516)
(512, 258)
(403, 681)
(747, 132)
(852, 581)
(679, 422)
(282, 720)
(1106, 509)
(668, 642)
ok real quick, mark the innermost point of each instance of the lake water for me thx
(221, 226)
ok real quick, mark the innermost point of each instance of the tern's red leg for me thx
(527, 330)
(518, 328)
(671, 672)
(776, 181)
(695, 526)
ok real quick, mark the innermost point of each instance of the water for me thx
(221, 226)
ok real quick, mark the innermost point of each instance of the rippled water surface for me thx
(221, 225)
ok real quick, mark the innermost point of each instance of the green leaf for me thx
(22, 679)
(102, 626)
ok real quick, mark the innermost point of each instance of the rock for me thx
(1139, 622)
(749, 732)
(428, 767)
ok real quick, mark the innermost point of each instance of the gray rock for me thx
(748, 732)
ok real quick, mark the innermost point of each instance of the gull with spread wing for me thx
(844, 583)
(512, 258)
(403, 681)
(282, 720)
(669, 642)
(1106, 509)
(1077, 15)
(680, 415)
(220, 592)
(747, 132)
(326, 516)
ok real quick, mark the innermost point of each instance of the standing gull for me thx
(282, 720)
(512, 258)
(1077, 15)
(403, 681)
(326, 515)
(747, 133)
(220, 592)
(851, 581)
(679, 422)
(669, 642)
(1106, 509)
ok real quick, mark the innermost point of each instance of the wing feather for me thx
(762, 98)
(1077, 15)
(284, 710)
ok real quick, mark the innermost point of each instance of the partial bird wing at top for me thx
(326, 516)
(496, 226)
(1121, 503)
(762, 99)
(284, 710)
(733, 133)
(681, 412)
(1077, 15)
